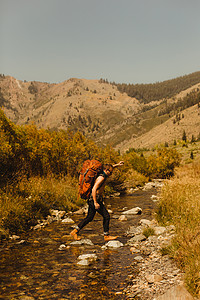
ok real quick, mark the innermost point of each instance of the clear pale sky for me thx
(130, 41)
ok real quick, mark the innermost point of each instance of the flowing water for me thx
(37, 269)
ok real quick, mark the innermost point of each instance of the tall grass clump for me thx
(180, 205)
(25, 201)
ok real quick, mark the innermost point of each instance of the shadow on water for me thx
(38, 269)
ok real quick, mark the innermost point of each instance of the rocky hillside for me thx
(101, 111)
(80, 104)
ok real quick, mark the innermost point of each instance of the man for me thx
(95, 203)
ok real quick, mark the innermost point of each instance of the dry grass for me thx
(24, 202)
(180, 205)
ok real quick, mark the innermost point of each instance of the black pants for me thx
(91, 213)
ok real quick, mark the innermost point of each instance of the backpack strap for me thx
(103, 175)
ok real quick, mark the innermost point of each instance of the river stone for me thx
(145, 222)
(83, 262)
(62, 247)
(176, 293)
(152, 278)
(14, 237)
(133, 211)
(154, 198)
(57, 214)
(159, 230)
(86, 259)
(82, 242)
(89, 256)
(114, 244)
(82, 210)
(122, 218)
(137, 238)
(21, 242)
(68, 221)
(133, 230)
(148, 186)
(138, 258)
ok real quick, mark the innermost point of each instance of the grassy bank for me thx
(180, 205)
(25, 201)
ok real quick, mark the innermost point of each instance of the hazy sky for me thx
(132, 41)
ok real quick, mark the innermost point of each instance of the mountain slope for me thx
(76, 103)
(168, 131)
(101, 111)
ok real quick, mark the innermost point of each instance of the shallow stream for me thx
(37, 269)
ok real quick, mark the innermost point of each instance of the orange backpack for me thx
(88, 174)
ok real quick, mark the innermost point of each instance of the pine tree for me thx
(193, 139)
(184, 137)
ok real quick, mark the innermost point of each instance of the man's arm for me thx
(118, 165)
(98, 183)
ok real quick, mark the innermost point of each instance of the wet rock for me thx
(176, 293)
(62, 247)
(154, 198)
(67, 221)
(83, 262)
(82, 210)
(122, 218)
(82, 242)
(57, 214)
(38, 226)
(124, 208)
(86, 259)
(90, 256)
(133, 211)
(21, 242)
(133, 230)
(114, 244)
(50, 219)
(14, 237)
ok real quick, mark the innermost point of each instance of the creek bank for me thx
(157, 275)
(152, 274)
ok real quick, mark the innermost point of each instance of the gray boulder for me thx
(133, 211)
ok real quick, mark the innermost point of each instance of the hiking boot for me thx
(74, 234)
(108, 238)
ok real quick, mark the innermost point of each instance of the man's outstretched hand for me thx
(121, 163)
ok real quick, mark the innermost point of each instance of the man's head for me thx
(108, 169)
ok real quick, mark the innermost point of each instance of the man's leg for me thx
(90, 216)
(106, 221)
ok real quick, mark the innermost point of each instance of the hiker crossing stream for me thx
(47, 264)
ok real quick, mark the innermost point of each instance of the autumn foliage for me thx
(39, 170)
(32, 151)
